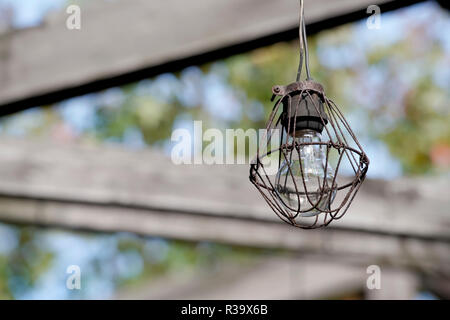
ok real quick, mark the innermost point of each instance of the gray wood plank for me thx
(120, 37)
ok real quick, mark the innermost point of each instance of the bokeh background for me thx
(392, 83)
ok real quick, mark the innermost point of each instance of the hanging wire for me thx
(303, 45)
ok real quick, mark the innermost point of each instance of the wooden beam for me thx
(125, 41)
(110, 189)
(266, 278)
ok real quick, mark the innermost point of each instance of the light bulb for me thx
(312, 172)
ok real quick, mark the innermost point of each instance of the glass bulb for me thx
(313, 160)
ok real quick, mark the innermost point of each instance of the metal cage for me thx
(340, 146)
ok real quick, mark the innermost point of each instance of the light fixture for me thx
(315, 143)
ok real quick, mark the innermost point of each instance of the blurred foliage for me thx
(422, 130)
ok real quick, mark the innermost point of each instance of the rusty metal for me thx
(304, 110)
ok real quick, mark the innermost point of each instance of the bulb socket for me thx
(306, 112)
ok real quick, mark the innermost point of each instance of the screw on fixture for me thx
(316, 142)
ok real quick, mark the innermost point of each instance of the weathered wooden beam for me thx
(110, 189)
(125, 41)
